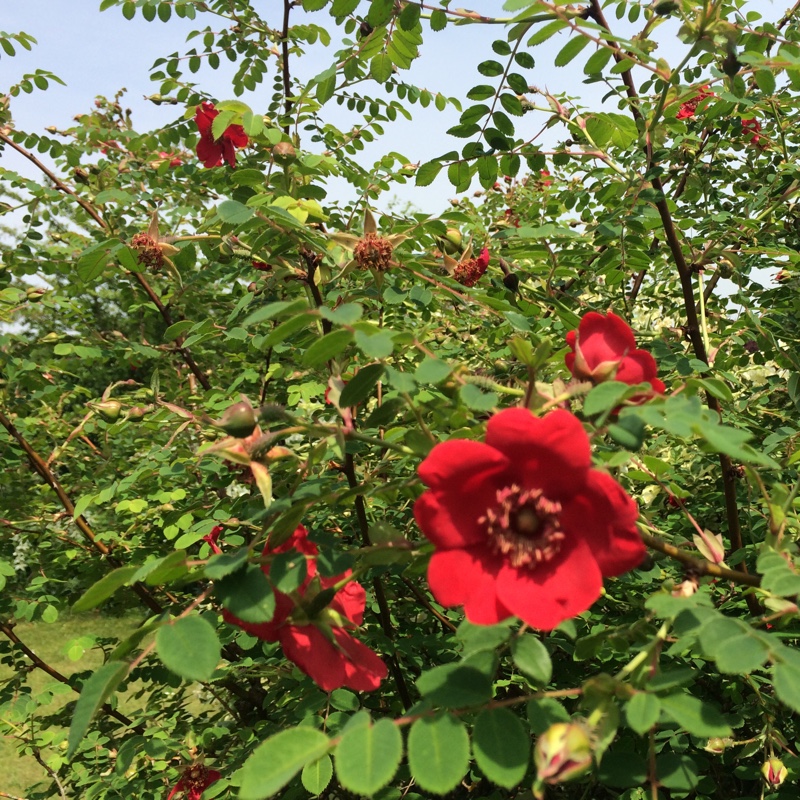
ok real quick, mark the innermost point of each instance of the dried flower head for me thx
(373, 252)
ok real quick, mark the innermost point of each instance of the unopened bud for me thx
(511, 281)
(716, 745)
(239, 420)
(774, 771)
(34, 294)
(452, 241)
(562, 752)
(665, 8)
(137, 413)
(284, 153)
(108, 409)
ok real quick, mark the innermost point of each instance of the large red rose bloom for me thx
(522, 524)
(212, 151)
(196, 779)
(322, 647)
(604, 349)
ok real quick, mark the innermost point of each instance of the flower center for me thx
(469, 272)
(373, 252)
(148, 252)
(524, 525)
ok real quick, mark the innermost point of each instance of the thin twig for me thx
(698, 565)
(384, 615)
(59, 184)
(50, 479)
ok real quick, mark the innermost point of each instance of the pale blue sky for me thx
(98, 53)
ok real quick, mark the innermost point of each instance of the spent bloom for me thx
(194, 781)
(522, 524)
(372, 250)
(312, 624)
(212, 151)
(687, 109)
(604, 349)
(469, 269)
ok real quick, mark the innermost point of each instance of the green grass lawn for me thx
(51, 643)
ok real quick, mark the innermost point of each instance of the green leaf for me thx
(409, 16)
(93, 261)
(487, 171)
(597, 61)
(642, 712)
(221, 123)
(375, 345)
(314, 5)
(94, 692)
(570, 50)
(381, 67)
(765, 80)
(177, 328)
(288, 571)
(501, 746)
(532, 659)
(455, 685)
(224, 564)
(459, 175)
(345, 314)
(278, 759)
(234, 213)
(741, 654)
(326, 348)
(694, 715)
(438, 20)
(512, 104)
(477, 400)
(326, 85)
(428, 172)
(247, 594)
(275, 310)
(544, 712)
(676, 772)
(368, 756)
(360, 387)
(432, 370)
(317, 775)
(604, 397)
(104, 588)
(476, 638)
(438, 753)
(491, 69)
(189, 647)
(285, 330)
(786, 680)
(546, 31)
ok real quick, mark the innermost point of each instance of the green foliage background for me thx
(666, 221)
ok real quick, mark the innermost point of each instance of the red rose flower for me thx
(316, 639)
(544, 177)
(522, 524)
(753, 126)
(212, 151)
(687, 109)
(195, 780)
(604, 349)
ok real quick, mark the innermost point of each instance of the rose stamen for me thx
(524, 525)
